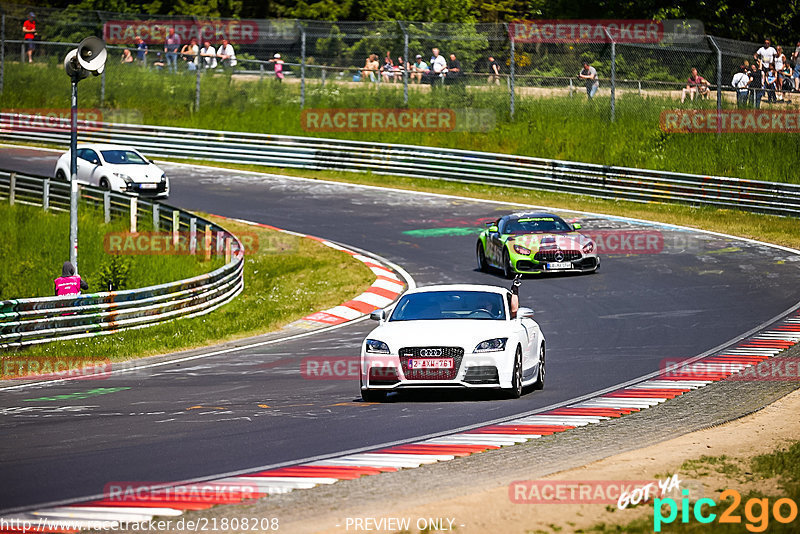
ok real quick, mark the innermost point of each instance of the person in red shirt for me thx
(69, 283)
(29, 29)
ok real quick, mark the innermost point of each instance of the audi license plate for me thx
(431, 363)
(559, 265)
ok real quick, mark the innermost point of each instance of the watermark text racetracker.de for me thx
(768, 370)
(46, 367)
(604, 31)
(200, 524)
(730, 121)
(397, 120)
(179, 243)
(49, 119)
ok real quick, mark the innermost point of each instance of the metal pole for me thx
(719, 84)
(46, 194)
(197, 88)
(12, 187)
(613, 75)
(302, 65)
(73, 179)
(407, 63)
(102, 88)
(2, 50)
(511, 78)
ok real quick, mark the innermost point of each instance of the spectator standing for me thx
(796, 71)
(141, 49)
(209, 56)
(29, 31)
(589, 75)
(69, 283)
(127, 57)
(419, 69)
(780, 61)
(765, 56)
(756, 86)
(494, 71)
(438, 67)
(694, 84)
(171, 47)
(278, 65)
(190, 53)
(226, 55)
(771, 85)
(740, 82)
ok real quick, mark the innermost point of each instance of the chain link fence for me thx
(482, 59)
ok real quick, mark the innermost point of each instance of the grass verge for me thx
(568, 128)
(304, 277)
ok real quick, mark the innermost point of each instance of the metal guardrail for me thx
(435, 163)
(30, 321)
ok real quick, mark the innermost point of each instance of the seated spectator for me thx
(694, 85)
(127, 57)
(159, 64)
(419, 69)
(190, 53)
(454, 73)
(399, 68)
(370, 71)
(226, 55)
(387, 69)
(209, 56)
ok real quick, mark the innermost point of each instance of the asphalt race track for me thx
(252, 408)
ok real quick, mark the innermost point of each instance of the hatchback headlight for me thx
(492, 345)
(123, 176)
(377, 347)
(519, 249)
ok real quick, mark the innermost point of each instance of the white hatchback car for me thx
(453, 336)
(116, 167)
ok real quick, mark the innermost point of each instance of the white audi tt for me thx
(118, 168)
(453, 336)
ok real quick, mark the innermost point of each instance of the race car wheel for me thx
(61, 176)
(370, 395)
(508, 271)
(540, 378)
(482, 265)
(516, 377)
(104, 184)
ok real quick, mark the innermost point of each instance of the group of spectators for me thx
(190, 54)
(438, 71)
(771, 73)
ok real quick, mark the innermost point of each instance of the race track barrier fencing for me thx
(29, 321)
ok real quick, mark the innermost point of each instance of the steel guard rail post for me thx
(639, 185)
(30, 321)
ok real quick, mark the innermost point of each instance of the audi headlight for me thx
(377, 347)
(588, 247)
(519, 249)
(492, 345)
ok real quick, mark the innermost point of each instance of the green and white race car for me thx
(535, 243)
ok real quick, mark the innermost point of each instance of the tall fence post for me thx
(12, 186)
(719, 84)
(103, 88)
(227, 250)
(407, 61)
(511, 77)
(207, 242)
(156, 216)
(2, 50)
(323, 73)
(134, 213)
(107, 206)
(176, 224)
(613, 75)
(46, 194)
(197, 87)
(302, 65)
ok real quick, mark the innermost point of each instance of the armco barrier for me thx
(39, 320)
(429, 163)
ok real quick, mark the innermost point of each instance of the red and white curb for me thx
(386, 288)
(108, 513)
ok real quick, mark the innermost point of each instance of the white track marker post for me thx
(46, 194)
(192, 236)
(134, 210)
(227, 250)
(107, 206)
(176, 221)
(156, 217)
(12, 185)
(207, 242)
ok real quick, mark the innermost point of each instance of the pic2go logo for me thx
(756, 511)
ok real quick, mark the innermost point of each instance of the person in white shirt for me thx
(226, 55)
(438, 67)
(765, 56)
(740, 82)
(209, 55)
